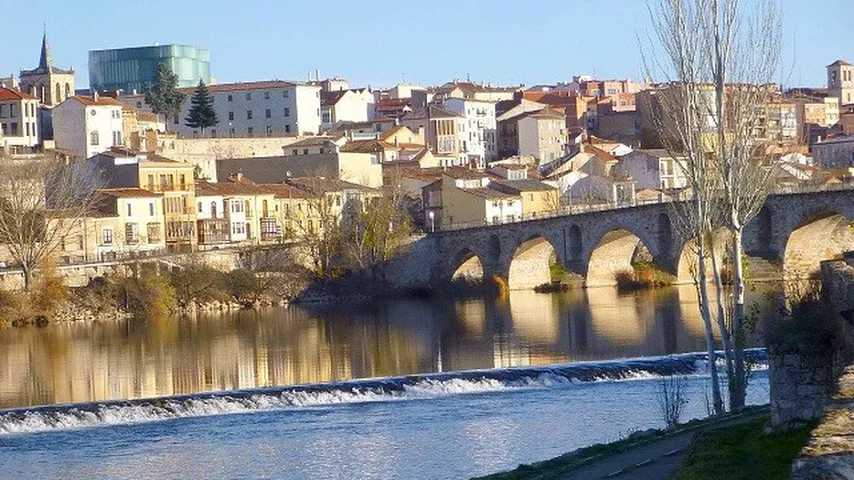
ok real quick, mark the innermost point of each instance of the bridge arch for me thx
(531, 262)
(615, 252)
(820, 235)
(467, 265)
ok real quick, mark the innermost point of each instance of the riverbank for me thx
(735, 446)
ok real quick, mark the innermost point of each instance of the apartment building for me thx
(542, 135)
(19, 120)
(86, 126)
(444, 133)
(479, 144)
(345, 106)
(272, 108)
(123, 168)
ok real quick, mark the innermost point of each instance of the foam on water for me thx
(411, 387)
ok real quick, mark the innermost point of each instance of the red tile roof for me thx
(9, 94)
(101, 101)
(241, 86)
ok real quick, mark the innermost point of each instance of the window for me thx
(250, 131)
(2, 111)
(153, 231)
(268, 113)
(269, 130)
(117, 138)
(248, 95)
(130, 210)
(107, 236)
(131, 233)
(287, 112)
(200, 207)
(230, 98)
(238, 228)
(93, 137)
(266, 95)
(231, 115)
(285, 93)
(288, 128)
(248, 114)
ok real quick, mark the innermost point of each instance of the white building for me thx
(542, 135)
(654, 168)
(345, 106)
(87, 126)
(251, 109)
(479, 134)
(19, 119)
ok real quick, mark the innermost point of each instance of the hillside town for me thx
(459, 154)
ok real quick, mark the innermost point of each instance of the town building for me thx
(445, 133)
(812, 112)
(124, 168)
(542, 135)
(51, 85)
(840, 81)
(479, 129)
(272, 108)
(135, 69)
(654, 169)
(508, 113)
(345, 106)
(19, 120)
(86, 126)
(236, 211)
(355, 167)
(834, 152)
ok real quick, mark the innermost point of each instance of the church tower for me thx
(50, 84)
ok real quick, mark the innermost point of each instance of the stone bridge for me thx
(791, 235)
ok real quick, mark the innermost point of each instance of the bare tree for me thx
(41, 201)
(377, 231)
(672, 398)
(318, 234)
(720, 57)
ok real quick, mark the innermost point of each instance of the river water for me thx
(429, 389)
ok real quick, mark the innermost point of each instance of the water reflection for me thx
(107, 361)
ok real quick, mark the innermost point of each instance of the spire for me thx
(45, 61)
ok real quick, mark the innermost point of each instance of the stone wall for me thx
(800, 386)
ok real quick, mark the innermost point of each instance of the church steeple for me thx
(45, 61)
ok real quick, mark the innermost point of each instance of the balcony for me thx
(270, 229)
(213, 231)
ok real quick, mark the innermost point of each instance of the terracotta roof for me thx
(366, 146)
(331, 98)
(487, 192)
(284, 190)
(465, 173)
(241, 86)
(317, 185)
(101, 101)
(516, 186)
(9, 94)
(128, 192)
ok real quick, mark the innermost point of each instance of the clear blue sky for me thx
(380, 43)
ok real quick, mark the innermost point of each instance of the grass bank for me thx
(556, 468)
(744, 452)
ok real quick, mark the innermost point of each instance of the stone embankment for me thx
(829, 454)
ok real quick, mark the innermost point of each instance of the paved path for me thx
(657, 460)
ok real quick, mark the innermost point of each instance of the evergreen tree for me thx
(163, 97)
(202, 114)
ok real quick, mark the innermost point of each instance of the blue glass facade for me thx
(135, 68)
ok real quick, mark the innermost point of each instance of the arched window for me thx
(213, 209)
(42, 93)
(264, 208)
(58, 93)
(67, 90)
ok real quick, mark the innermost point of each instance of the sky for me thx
(380, 43)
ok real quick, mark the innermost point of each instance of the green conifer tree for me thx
(163, 97)
(202, 114)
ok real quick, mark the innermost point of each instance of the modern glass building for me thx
(135, 68)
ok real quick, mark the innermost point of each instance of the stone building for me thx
(50, 84)
(840, 81)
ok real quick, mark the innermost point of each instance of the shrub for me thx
(198, 284)
(809, 325)
(244, 286)
(49, 290)
(148, 295)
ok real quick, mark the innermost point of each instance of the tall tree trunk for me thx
(738, 387)
(726, 339)
(28, 276)
(705, 313)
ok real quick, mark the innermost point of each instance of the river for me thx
(429, 388)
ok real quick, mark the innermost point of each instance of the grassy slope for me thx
(744, 452)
